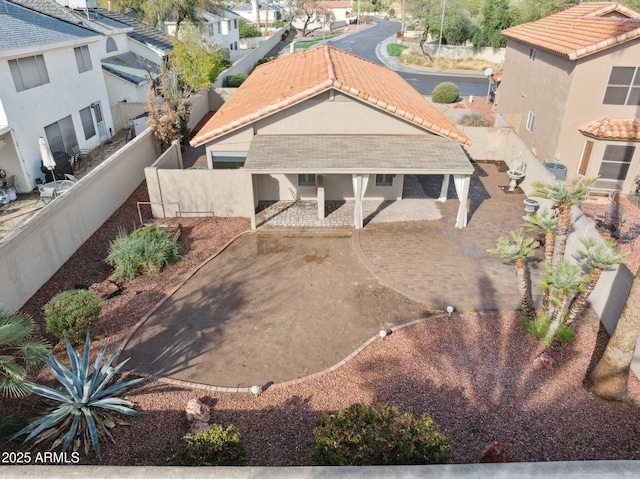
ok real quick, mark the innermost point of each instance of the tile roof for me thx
(22, 27)
(277, 85)
(581, 30)
(131, 67)
(607, 128)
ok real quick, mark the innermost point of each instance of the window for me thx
(83, 59)
(532, 54)
(586, 156)
(623, 87)
(228, 160)
(616, 162)
(235, 24)
(384, 180)
(219, 28)
(28, 72)
(306, 180)
(61, 135)
(87, 123)
(531, 118)
(111, 45)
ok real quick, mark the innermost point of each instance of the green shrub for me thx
(474, 119)
(145, 251)
(247, 30)
(392, 12)
(264, 60)
(364, 435)
(445, 92)
(411, 27)
(539, 327)
(72, 314)
(564, 334)
(278, 24)
(10, 425)
(234, 81)
(214, 447)
(395, 49)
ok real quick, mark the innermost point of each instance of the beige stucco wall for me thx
(585, 105)
(35, 250)
(540, 86)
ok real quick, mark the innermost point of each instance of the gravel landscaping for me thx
(473, 373)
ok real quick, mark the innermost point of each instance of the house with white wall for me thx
(221, 28)
(51, 86)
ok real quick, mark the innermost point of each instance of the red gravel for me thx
(473, 373)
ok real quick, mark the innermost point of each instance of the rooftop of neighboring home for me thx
(579, 31)
(277, 85)
(607, 128)
(24, 27)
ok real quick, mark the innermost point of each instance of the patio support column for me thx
(360, 182)
(320, 197)
(252, 184)
(462, 183)
(443, 189)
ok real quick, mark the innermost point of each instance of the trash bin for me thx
(557, 169)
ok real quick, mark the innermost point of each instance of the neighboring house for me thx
(571, 90)
(250, 14)
(51, 86)
(220, 28)
(322, 14)
(324, 125)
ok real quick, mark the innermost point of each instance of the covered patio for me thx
(360, 157)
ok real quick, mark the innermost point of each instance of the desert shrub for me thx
(411, 27)
(474, 119)
(72, 314)
(234, 81)
(362, 435)
(539, 327)
(564, 335)
(85, 405)
(278, 24)
(264, 60)
(21, 353)
(213, 447)
(145, 251)
(445, 92)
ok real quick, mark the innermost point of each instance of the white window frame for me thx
(625, 166)
(384, 180)
(83, 59)
(531, 118)
(88, 126)
(20, 68)
(633, 87)
(306, 180)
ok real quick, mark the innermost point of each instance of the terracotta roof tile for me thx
(607, 128)
(276, 85)
(581, 30)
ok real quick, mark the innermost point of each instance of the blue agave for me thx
(86, 401)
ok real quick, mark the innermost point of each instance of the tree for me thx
(247, 30)
(496, 16)
(546, 224)
(196, 62)
(20, 353)
(564, 196)
(169, 118)
(609, 379)
(308, 13)
(532, 10)
(516, 250)
(597, 258)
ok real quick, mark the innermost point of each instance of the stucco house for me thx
(51, 86)
(326, 125)
(220, 28)
(571, 91)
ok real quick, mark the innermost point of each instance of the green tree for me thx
(516, 249)
(564, 196)
(496, 16)
(609, 379)
(546, 224)
(597, 258)
(532, 10)
(20, 353)
(247, 30)
(196, 62)
(564, 281)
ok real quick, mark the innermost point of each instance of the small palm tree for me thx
(20, 353)
(597, 258)
(564, 196)
(564, 281)
(516, 249)
(546, 224)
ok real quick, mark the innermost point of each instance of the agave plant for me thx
(85, 406)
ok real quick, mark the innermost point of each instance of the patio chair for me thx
(71, 178)
(47, 194)
(629, 236)
(80, 157)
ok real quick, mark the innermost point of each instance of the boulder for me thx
(495, 452)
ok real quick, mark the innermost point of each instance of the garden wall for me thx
(35, 250)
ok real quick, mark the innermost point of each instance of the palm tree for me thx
(610, 377)
(20, 353)
(563, 195)
(516, 250)
(597, 258)
(564, 283)
(546, 224)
